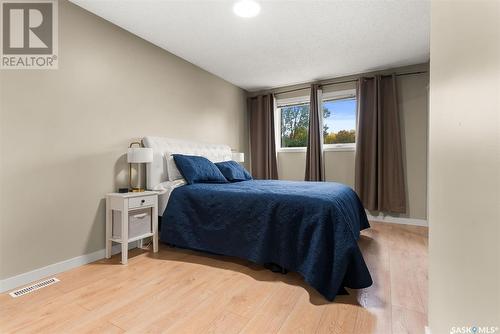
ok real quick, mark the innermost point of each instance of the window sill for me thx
(340, 148)
(292, 150)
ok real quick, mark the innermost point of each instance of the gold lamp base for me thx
(137, 190)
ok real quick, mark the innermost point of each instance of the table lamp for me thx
(137, 157)
(238, 156)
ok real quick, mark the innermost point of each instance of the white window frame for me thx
(334, 95)
(339, 95)
(277, 121)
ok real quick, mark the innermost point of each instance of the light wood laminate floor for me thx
(179, 291)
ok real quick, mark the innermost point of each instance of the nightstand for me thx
(131, 217)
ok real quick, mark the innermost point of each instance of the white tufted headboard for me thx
(157, 170)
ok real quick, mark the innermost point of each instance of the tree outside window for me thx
(339, 123)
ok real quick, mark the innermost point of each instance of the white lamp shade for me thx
(238, 156)
(139, 155)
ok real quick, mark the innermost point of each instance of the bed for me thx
(307, 227)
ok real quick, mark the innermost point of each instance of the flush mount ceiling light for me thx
(246, 8)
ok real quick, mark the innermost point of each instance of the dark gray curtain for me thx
(379, 160)
(314, 154)
(262, 141)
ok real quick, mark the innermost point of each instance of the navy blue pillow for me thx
(233, 171)
(198, 169)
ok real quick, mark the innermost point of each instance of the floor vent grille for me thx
(33, 287)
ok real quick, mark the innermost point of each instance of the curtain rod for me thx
(348, 81)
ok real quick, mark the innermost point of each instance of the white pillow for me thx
(173, 172)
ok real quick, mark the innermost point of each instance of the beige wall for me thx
(64, 133)
(464, 165)
(291, 165)
(339, 165)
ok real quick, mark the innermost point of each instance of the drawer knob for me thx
(142, 201)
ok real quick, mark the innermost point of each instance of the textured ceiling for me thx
(289, 42)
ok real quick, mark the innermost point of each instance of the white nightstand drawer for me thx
(139, 223)
(137, 202)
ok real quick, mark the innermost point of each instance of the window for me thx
(294, 123)
(339, 121)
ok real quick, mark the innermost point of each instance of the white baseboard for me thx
(56, 268)
(397, 220)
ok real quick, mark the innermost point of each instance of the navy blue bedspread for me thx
(308, 227)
